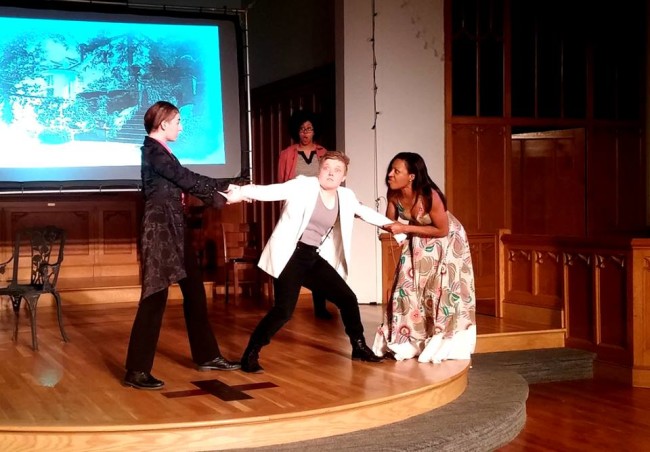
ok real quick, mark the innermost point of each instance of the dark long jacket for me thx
(164, 179)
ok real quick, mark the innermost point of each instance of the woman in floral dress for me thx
(432, 312)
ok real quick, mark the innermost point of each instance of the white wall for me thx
(410, 99)
(647, 125)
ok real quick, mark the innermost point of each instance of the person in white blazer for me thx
(318, 215)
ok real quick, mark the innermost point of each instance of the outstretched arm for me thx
(373, 217)
(273, 192)
(167, 166)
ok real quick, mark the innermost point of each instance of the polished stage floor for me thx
(69, 396)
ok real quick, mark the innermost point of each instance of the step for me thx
(521, 340)
(489, 414)
(541, 365)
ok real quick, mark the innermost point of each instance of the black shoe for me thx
(250, 360)
(142, 380)
(219, 363)
(323, 314)
(361, 352)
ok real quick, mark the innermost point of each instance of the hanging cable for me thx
(375, 112)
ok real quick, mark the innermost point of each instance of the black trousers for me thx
(319, 301)
(148, 320)
(306, 268)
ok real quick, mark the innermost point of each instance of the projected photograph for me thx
(73, 93)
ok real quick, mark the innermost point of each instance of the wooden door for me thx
(548, 183)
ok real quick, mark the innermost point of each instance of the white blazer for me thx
(301, 195)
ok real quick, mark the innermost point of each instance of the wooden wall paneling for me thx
(116, 250)
(462, 178)
(267, 135)
(212, 217)
(74, 218)
(578, 295)
(519, 273)
(612, 318)
(483, 248)
(493, 178)
(517, 178)
(532, 282)
(631, 168)
(639, 317)
(548, 183)
(585, 281)
(537, 177)
(611, 301)
(567, 213)
(503, 270)
(548, 281)
(478, 176)
(602, 209)
(272, 106)
(101, 229)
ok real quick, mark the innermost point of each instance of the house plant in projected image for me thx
(74, 88)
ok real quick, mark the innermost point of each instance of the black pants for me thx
(307, 268)
(319, 301)
(148, 320)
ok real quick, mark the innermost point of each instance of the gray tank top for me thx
(320, 222)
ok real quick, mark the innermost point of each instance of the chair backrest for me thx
(43, 246)
(238, 241)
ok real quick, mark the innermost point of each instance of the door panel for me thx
(548, 183)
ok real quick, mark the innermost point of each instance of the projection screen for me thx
(74, 86)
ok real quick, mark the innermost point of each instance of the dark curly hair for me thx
(298, 118)
(422, 183)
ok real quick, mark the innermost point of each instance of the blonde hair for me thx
(335, 155)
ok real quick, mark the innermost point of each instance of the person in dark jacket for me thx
(166, 254)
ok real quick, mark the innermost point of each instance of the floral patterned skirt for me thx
(432, 313)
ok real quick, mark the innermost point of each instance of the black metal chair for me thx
(43, 247)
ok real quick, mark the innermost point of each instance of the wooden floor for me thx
(584, 415)
(68, 396)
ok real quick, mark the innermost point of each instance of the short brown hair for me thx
(157, 113)
(335, 155)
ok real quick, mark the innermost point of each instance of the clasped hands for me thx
(395, 228)
(233, 195)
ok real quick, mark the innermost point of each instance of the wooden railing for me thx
(597, 289)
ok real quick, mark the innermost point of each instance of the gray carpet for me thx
(490, 413)
(542, 365)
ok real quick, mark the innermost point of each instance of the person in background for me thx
(316, 210)
(432, 313)
(302, 159)
(166, 252)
